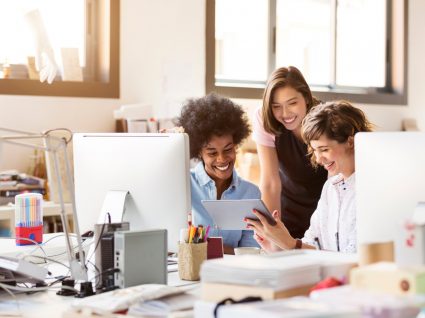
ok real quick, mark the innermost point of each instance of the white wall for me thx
(162, 52)
(163, 62)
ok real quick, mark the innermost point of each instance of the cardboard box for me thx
(389, 278)
(216, 292)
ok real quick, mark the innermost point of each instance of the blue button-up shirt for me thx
(203, 188)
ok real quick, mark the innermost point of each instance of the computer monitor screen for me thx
(390, 181)
(154, 168)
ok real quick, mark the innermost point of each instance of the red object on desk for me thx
(327, 283)
(34, 233)
(214, 247)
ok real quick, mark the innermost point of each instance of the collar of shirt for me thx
(348, 183)
(204, 179)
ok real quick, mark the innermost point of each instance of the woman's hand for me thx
(265, 244)
(276, 234)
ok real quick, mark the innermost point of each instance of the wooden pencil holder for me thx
(190, 258)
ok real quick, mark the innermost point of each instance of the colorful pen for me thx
(206, 233)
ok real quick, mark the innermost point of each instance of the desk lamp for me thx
(55, 146)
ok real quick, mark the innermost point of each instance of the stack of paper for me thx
(278, 273)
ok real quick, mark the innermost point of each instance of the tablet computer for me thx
(229, 214)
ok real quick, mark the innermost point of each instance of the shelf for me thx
(50, 209)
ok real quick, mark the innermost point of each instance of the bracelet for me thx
(298, 244)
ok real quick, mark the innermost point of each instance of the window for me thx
(346, 49)
(83, 35)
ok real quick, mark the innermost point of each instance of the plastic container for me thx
(29, 218)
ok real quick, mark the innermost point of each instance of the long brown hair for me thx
(337, 120)
(282, 77)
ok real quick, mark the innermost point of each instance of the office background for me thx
(162, 62)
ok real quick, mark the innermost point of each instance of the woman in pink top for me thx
(288, 181)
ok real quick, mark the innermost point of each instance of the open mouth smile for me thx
(289, 120)
(223, 168)
(329, 165)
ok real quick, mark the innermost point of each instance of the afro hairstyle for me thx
(212, 115)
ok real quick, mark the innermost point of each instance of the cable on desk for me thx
(227, 301)
(58, 280)
(48, 259)
(30, 289)
(98, 240)
(109, 270)
(95, 267)
(59, 254)
(25, 239)
(59, 235)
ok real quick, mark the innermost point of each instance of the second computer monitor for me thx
(390, 181)
(154, 168)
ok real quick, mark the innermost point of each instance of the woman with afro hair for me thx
(216, 127)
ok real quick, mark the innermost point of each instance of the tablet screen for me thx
(229, 214)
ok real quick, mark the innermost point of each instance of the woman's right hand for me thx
(278, 234)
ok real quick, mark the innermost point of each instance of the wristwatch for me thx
(298, 244)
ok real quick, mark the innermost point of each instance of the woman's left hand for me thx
(266, 245)
(278, 233)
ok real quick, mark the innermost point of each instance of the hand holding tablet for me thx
(229, 214)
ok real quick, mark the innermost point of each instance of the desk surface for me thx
(48, 304)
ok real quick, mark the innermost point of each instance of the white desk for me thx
(48, 304)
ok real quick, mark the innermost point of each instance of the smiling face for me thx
(219, 155)
(333, 156)
(289, 108)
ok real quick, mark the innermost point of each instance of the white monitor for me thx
(390, 181)
(154, 168)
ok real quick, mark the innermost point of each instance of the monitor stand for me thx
(113, 207)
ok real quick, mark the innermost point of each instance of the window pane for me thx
(303, 38)
(241, 32)
(64, 22)
(361, 43)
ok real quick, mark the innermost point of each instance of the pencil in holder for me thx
(29, 218)
(190, 258)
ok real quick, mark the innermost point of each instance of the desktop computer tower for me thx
(141, 257)
(104, 252)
